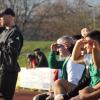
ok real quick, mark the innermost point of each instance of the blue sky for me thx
(94, 2)
(90, 2)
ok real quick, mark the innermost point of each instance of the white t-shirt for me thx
(88, 59)
(74, 71)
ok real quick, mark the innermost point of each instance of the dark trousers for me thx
(8, 84)
(1, 71)
(74, 92)
(42, 96)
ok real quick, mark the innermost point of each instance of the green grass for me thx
(29, 46)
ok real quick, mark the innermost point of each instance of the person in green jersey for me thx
(92, 45)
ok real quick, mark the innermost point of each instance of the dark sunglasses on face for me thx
(59, 46)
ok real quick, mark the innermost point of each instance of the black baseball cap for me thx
(8, 11)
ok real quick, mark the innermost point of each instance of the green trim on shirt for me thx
(94, 74)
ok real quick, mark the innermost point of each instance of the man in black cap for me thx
(11, 41)
(41, 58)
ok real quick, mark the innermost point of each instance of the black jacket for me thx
(11, 42)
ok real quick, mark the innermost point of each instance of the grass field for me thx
(29, 46)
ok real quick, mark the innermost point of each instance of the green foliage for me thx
(29, 46)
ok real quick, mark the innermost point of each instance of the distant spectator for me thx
(32, 60)
(85, 32)
(42, 60)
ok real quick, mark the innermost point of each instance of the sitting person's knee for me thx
(58, 82)
(36, 97)
(86, 90)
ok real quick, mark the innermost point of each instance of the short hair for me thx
(8, 11)
(76, 36)
(95, 35)
(66, 38)
(37, 49)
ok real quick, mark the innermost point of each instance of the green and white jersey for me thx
(94, 74)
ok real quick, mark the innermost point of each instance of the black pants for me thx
(8, 84)
(74, 92)
(42, 96)
(1, 72)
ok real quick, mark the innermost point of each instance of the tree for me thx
(47, 19)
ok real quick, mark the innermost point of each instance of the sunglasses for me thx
(59, 45)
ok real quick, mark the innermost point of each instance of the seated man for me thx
(92, 46)
(62, 45)
(32, 60)
(41, 58)
(67, 67)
